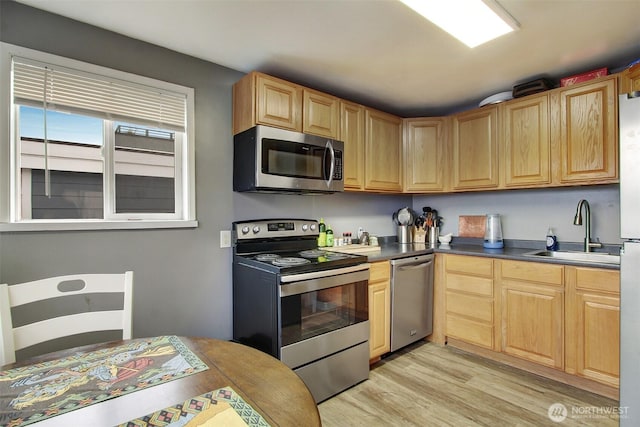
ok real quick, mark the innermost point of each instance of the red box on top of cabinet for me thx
(579, 78)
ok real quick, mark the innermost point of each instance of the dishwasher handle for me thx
(414, 261)
(412, 266)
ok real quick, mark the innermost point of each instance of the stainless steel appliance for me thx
(305, 306)
(629, 113)
(267, 159)
(411, 299)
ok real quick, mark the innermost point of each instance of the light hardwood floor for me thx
(426, 384)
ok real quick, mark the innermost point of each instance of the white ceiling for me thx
(377, 52)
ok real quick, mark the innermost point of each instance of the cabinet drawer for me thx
(532, 272)
(478, 308)
(477, 266)
(379, 271)
(473, 285)
(467, 330)
(598, 280)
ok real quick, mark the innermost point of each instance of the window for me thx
(93, 145)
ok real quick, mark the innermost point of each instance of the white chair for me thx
(51, 290)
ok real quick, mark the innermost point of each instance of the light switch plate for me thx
(225, 238)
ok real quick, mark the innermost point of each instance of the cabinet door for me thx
(352, 134)
(475, 149)
(379, 309)
(593, 324)
(598, 338)
(630, 79)
(526, 141)
(278, 103)
(588, 133)
(379, 319)
(320, 114)
(532, 323)
(469, 300)
(425, 154)
(383, 151)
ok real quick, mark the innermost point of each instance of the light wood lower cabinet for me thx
(593, 324)
(552, 319)
(532, 311)
(469, 300)
(379, 309)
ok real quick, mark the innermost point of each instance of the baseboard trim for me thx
(553, 374)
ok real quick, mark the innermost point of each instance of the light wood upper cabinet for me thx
(563, 137)
(321, 114)
(426, 162)
(352, 134)
(262, 99)
(630, 79)
(532, 303)
(379, 309)
(526, 142)
(475, 149)
(588, 132)
(593, 324)
(383, 151)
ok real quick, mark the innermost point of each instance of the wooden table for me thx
(264, 382)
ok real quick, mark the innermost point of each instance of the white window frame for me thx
(10, 166)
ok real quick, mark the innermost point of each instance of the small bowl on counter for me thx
(445, 239)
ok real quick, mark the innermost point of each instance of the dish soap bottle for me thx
(552, 241)
(329, 236)
(322, 236)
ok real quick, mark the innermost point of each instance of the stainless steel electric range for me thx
(306, 306)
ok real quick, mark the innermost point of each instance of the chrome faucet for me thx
(588, 244)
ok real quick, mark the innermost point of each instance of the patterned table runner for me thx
(36, 392)
(219, 408)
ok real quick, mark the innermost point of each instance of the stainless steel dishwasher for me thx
(411, 299)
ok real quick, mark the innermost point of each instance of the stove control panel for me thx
(272, 228)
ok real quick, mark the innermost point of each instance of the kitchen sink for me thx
(595, 257)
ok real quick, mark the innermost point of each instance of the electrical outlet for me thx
(225, 238)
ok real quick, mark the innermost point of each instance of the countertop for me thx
(513, 250)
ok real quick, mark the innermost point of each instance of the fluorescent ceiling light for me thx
(473, 22)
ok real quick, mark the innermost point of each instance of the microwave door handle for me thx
(329, 147)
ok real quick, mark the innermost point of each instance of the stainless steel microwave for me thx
(267, 159)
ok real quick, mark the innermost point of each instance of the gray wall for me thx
(182, 276)
(528, 214)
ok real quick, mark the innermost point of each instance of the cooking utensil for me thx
(404, 216)
(364, 238)
(395, 218)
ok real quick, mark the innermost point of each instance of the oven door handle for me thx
(314, 281)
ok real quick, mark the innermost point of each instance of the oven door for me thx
(323, 312)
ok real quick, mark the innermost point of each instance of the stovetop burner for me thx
(313, 253)
(267, 257)
(289, 261)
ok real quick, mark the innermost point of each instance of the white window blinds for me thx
(86, 93)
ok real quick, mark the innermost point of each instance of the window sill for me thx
(96, 225)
